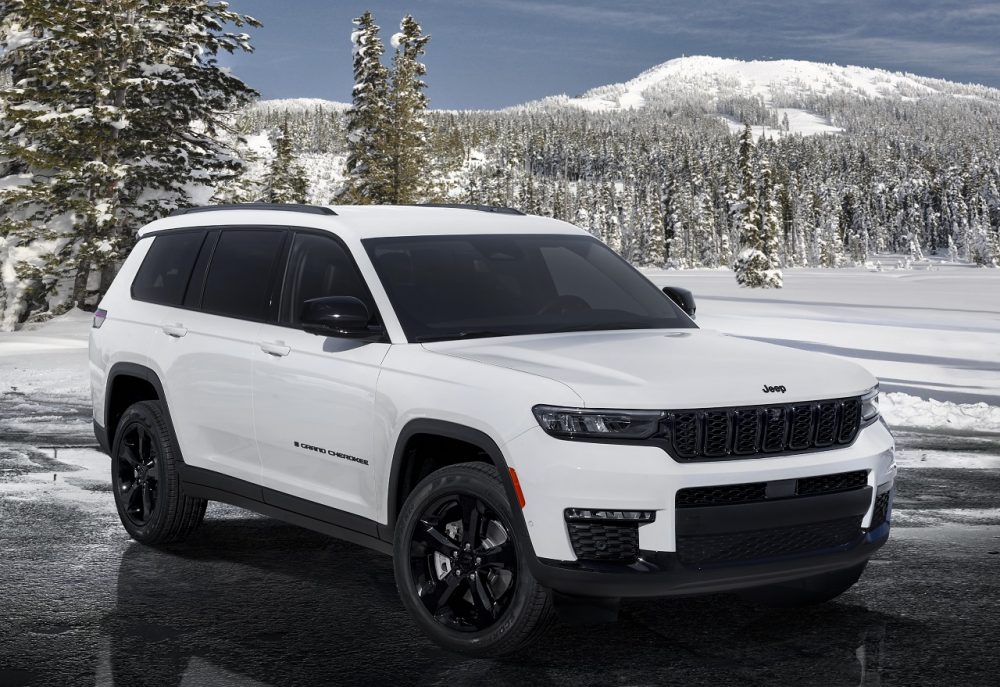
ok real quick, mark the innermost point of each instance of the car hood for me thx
(668, 369)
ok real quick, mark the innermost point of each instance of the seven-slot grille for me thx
(721, 433)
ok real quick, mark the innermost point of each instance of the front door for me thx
(314, 396)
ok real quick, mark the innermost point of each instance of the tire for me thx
(808, 591)
(148, 491)
(470, 593)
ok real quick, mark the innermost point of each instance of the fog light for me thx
(589, 514)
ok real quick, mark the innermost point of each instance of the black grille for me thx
(722, 495)
(770, 543)
(750, 492)
(881, 510)
(829, 484)
(719, 433)
(604, 542)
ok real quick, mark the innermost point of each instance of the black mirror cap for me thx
(683, 298)
(344, 316)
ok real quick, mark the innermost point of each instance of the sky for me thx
(494, 53)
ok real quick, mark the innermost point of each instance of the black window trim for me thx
(283, 281)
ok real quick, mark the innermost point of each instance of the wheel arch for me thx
(454, 431)
(137, 383)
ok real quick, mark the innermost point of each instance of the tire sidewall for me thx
(144, 415)
(446, 482)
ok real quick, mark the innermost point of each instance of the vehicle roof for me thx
(371, 221)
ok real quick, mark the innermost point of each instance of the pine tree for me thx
(114, 116)
(407, 135)
(753, 267)
(368, 121)
(286, 181)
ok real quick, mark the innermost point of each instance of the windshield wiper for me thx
(467, 334)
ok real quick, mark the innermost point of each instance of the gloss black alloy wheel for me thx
(145, 477)
(460, 567)
(138, 474)
(463, 562)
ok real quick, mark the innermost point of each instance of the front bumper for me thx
(558, 475)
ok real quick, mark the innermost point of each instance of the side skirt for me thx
(207, 484)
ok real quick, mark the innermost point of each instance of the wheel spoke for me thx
(437, 599)
(427, 535)
(143, 444)
(472, 510)
(129, 456)
(501, 557)
(481, 597)
(128, 495)
(147, 501)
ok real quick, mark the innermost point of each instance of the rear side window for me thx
(166, 269)
(239, 277)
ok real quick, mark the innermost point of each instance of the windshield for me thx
(454, 287)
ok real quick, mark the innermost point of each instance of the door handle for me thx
(276, 349)
(174, 330)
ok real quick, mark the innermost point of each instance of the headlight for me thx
(580, 423)
(869, 406)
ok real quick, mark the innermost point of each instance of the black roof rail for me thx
(481, 208)
(284, 207)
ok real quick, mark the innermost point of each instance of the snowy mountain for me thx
(778, 88)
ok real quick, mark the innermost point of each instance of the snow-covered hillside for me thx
(780, 85)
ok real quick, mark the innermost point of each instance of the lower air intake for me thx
(604, 541)
(770, 543)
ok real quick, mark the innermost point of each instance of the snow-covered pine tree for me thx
(770, 224)
(753, 267)
(113, 117)
(407, 134)
(368, 125)
(286, 181)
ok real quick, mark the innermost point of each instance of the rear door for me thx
(206, 349)
(313, 396)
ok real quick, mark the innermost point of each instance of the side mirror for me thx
(343, 316)
(683, 298)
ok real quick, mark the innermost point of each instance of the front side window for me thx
(238, 279)
(452, 287)
(163, 276)
(318, 266)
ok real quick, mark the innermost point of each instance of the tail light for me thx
(99, 317)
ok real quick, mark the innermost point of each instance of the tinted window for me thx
(319, 266)
(447, 287)
(239, 277)
(164, 273)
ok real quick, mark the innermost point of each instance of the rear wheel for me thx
(808, 591)
(148, 491)
(460, 569)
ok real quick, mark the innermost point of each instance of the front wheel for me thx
(460, 569)
(808, 591)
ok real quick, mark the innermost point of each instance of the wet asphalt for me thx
(252, 601)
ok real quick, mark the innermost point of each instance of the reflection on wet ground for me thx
(251, 601)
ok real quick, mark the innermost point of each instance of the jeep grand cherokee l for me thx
(499, 401)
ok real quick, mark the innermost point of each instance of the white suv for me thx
(523, 420)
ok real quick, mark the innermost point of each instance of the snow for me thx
(932, 337)
(799, 122)
(768, 79)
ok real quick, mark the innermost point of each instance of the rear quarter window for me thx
(165, 271)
